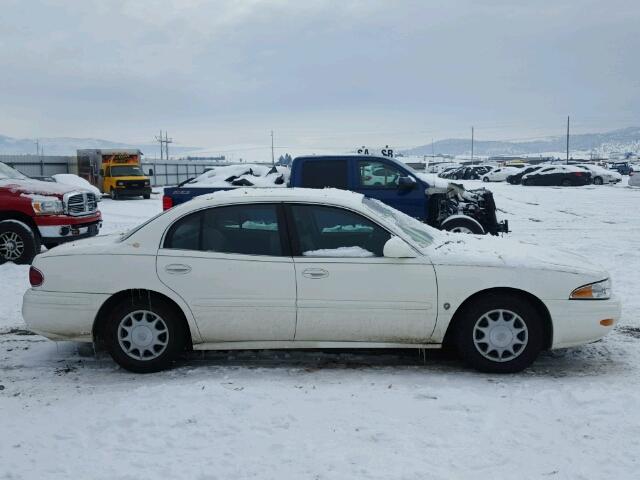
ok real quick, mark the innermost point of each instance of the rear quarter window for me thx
(325, 173)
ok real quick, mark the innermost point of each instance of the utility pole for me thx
(273, 158)
(567, 140)
(164, 145)
(159, 139)
(472, 145)
(167, 141)
(433, 151)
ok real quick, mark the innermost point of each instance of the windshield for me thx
(421, 234)
(7, 172)
(126, 171)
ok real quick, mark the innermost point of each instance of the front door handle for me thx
(315, 273)
(177, 268)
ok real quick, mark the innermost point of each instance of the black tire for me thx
(173, 335)
(566, 182)
(114, 194)
(462, 225)
(468, 338)
(18, 242)
(485, 179)
(146, 196)
(597, 181)
(525, 182)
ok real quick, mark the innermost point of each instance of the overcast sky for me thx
(322, 74)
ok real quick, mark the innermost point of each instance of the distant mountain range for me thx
(69, 145)
(622, 140)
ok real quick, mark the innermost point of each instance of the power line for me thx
(164, 144)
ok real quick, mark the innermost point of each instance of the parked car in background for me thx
(558, 175)
(599, 175)
(516, 178)
(499, 174)
(623, 168)
(304, 268)
(35, 213)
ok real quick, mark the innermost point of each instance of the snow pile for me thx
(341, 252)
(76, 181)
(230, 176)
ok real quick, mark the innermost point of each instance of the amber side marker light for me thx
(607, 322)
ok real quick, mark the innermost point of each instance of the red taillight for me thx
(35, 277)
(167, 202)
(577, 174)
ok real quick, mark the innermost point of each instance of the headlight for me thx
(593, 291)
(120, 183)
(51, 206)
(147, 183)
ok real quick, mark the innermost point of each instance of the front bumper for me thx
(576, 322)
(61, 316)
(60, 229)
(133, 191)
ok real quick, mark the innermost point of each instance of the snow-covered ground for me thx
(67, 413)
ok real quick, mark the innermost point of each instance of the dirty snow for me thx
(67, 413)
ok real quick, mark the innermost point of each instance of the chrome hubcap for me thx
(11, 246)
(500, 335)
(143, 335)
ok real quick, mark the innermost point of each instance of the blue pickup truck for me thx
(444, 205)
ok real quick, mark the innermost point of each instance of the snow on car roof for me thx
(241, 195)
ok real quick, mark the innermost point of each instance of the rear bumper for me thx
(61, 316)
(576, 322)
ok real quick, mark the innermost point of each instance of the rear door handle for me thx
(315, 273)
(177, 269)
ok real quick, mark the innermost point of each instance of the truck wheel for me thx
(144, 336)
(114, 194)
(499, 333)
(146, 196)
(462, 224)
(18, 243)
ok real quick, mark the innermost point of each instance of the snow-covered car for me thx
(308, 268)
(599, 175)
(499, 174)
(78, 182)
(558, 175)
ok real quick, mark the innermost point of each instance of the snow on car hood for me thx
(475, 250)
(36, 187)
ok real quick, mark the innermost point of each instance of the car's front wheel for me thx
(499, 334)
(597, 181)
(144, 336)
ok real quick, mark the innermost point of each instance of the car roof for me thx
(331, 196)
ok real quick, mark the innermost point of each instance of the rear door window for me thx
(251, 229)
(325, 173)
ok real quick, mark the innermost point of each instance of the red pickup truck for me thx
(35, 213)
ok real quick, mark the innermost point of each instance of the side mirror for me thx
(406, 183)
(397, 248)
(151, 172)
(101, 172)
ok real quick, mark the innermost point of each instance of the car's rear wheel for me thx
(499, 334)
(18, 243)
(485, 179)
(597, 181)
(144, 336)
(566, 182)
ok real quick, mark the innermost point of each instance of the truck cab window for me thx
(378, 174)
(325, 173)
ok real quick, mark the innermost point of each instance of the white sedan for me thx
(500, 174)
(298, 268)
(601, 175)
